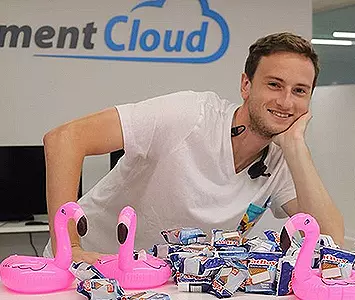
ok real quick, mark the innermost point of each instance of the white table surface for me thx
(168, 288)
(20, 227)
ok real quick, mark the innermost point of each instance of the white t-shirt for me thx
(178, 171)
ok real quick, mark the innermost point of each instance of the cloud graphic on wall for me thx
(206, 12)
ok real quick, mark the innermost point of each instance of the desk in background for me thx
(16, 237)
(20, 227)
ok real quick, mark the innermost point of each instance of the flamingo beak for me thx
(82, 226)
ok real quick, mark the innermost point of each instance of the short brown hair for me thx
(280, 42)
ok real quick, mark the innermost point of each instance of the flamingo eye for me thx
(63, 211)
(122, 232)
(82, 226)
(285, 240)
(307, 221)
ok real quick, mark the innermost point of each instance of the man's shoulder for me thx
(208, 95)
(191, 101)
(202, 95)
(211, 98)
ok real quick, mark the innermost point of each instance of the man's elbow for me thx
(62, 136)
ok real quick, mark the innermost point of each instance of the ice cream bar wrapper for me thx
(184, 236)
(285, 271)
(262, 272)
(201, 265)
(147, 295)
(193, 284)
(222, 238)
(83, 271)
(336, 263)
(227, 281)
(100, 289)
(239, 253)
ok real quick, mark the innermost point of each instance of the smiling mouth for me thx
(280, 114)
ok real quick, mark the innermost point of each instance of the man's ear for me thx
(245, 85)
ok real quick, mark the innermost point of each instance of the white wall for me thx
(331, 137)
(39, 93)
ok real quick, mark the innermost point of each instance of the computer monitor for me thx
(23, 182)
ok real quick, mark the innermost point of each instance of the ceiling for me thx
(337, 62)
(324, 5)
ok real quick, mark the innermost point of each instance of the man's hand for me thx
(80, 255)
(295, 132)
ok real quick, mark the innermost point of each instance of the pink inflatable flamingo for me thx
(27, 274)
(143, 272)
(308, 283)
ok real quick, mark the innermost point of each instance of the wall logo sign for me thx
(157, 45)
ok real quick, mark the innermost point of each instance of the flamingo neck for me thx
(305, 256)
(125, 253)
(63, 256)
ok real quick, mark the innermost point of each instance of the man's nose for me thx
(285, 99)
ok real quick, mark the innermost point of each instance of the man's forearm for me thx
(62, 179)
(312, 196)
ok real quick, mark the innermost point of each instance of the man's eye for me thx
(300, 91)
(274, 84)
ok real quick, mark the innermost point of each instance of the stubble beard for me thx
(257, 125)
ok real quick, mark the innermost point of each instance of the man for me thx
(185, 166)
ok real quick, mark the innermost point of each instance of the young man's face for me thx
(279, 93)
